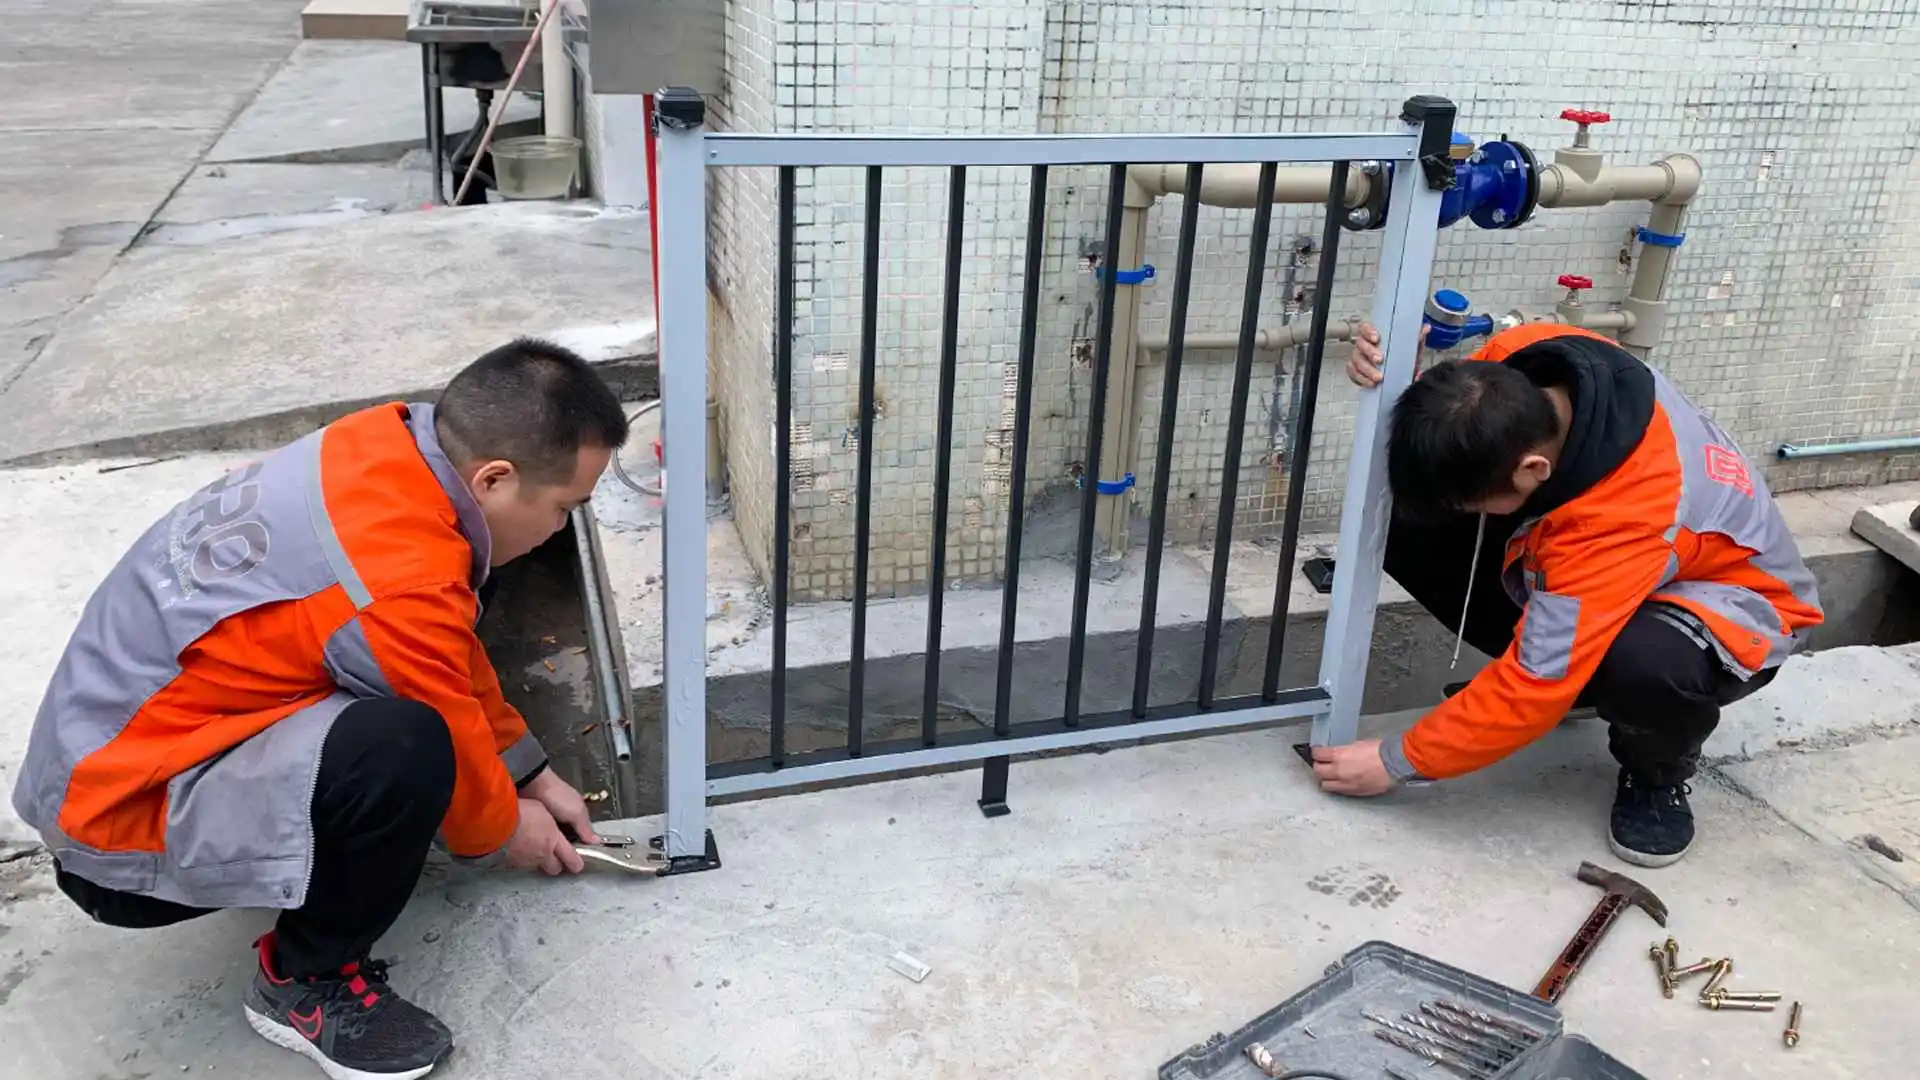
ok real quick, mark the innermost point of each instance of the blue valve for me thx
(1448, 322)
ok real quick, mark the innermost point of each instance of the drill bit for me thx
(1496, 1052)
(1468, 1047)
(1488, 1031)
(1422, 1050)
(1523, 1031)
(1430, 1039)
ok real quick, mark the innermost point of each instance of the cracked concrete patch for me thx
(1846, 795)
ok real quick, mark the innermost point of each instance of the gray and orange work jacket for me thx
(176, 751)
(1650, 503)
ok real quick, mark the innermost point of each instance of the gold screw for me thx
(1660, 964)
(1720, 972)
(1716, 1002)
(1792, 1034)
(1747, 995)
(1673, 953)
(1693, 969)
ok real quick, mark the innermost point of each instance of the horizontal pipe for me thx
(1671, 181)
(1233, 186)
(1270, 339)
(1794, 452)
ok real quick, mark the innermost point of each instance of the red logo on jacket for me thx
(1727, 467)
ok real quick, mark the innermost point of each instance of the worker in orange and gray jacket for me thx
(1564, 509)
(277, 698)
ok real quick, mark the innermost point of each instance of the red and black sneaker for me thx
(352, 1024)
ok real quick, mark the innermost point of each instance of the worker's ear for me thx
(1534, 471)
(494, 479)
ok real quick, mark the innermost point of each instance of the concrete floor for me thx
(1133, 904)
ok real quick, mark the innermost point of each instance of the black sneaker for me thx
(1652, 824)
(351, 1024)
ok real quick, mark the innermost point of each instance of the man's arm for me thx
(1593, 581)
(516, 745)
(421, 646)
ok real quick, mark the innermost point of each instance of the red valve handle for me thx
(1575, 281)
(1586, 116)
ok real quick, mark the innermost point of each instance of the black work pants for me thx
(1658, 688)
(386, 778)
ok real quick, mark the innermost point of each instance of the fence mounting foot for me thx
(689, 864)
(993, 787)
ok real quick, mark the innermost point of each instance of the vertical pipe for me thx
(1306, 382)
(1163, 450)
(1113, 513)
(783, 464)
(556, 78)
(1236, 434)
(683, 428)
(1022, 423)
(863, 489)
(1406, 264)
(943, 451)
(1090, 470)
(1647, 296)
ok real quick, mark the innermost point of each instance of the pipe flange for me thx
(1372, 213)
(1519, 191)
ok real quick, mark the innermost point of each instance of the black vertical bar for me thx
(994, 772)
(1090, 468)
(1236, 433)
(1163, 453)
(783, 467)
(863, 485)
(1308, 380)
(943, 451)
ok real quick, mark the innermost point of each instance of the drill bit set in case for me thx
(1465, 1028)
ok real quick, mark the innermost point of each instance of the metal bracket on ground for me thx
(689, 864)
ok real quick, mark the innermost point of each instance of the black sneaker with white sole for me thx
(1652, 824)
(351, 1024)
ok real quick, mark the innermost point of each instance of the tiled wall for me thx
(1793, 301)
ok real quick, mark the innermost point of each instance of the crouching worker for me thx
(1564, 509)
(276, 699)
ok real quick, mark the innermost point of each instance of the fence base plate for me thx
(689, 864)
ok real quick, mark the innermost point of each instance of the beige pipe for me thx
(1647, 296)
(1266, 339)
(1234, 186)
(1112, 514)
(1573, 180)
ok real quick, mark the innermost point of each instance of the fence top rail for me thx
(742, 149)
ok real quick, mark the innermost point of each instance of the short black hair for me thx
(1459, 432)
(533, 403)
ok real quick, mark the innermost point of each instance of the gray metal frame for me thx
(685, 154)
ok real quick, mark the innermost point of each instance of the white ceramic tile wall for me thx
(1793, 314)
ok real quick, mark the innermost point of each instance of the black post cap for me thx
(680, 107)
(1435, 115)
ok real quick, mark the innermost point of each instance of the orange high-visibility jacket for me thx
(176, 749)
(1672, 513)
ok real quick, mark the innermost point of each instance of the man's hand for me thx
(564, 803)
(538, 844)
(1363, 367)
(1353, 769)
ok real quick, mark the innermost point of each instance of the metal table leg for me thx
(436, 118)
